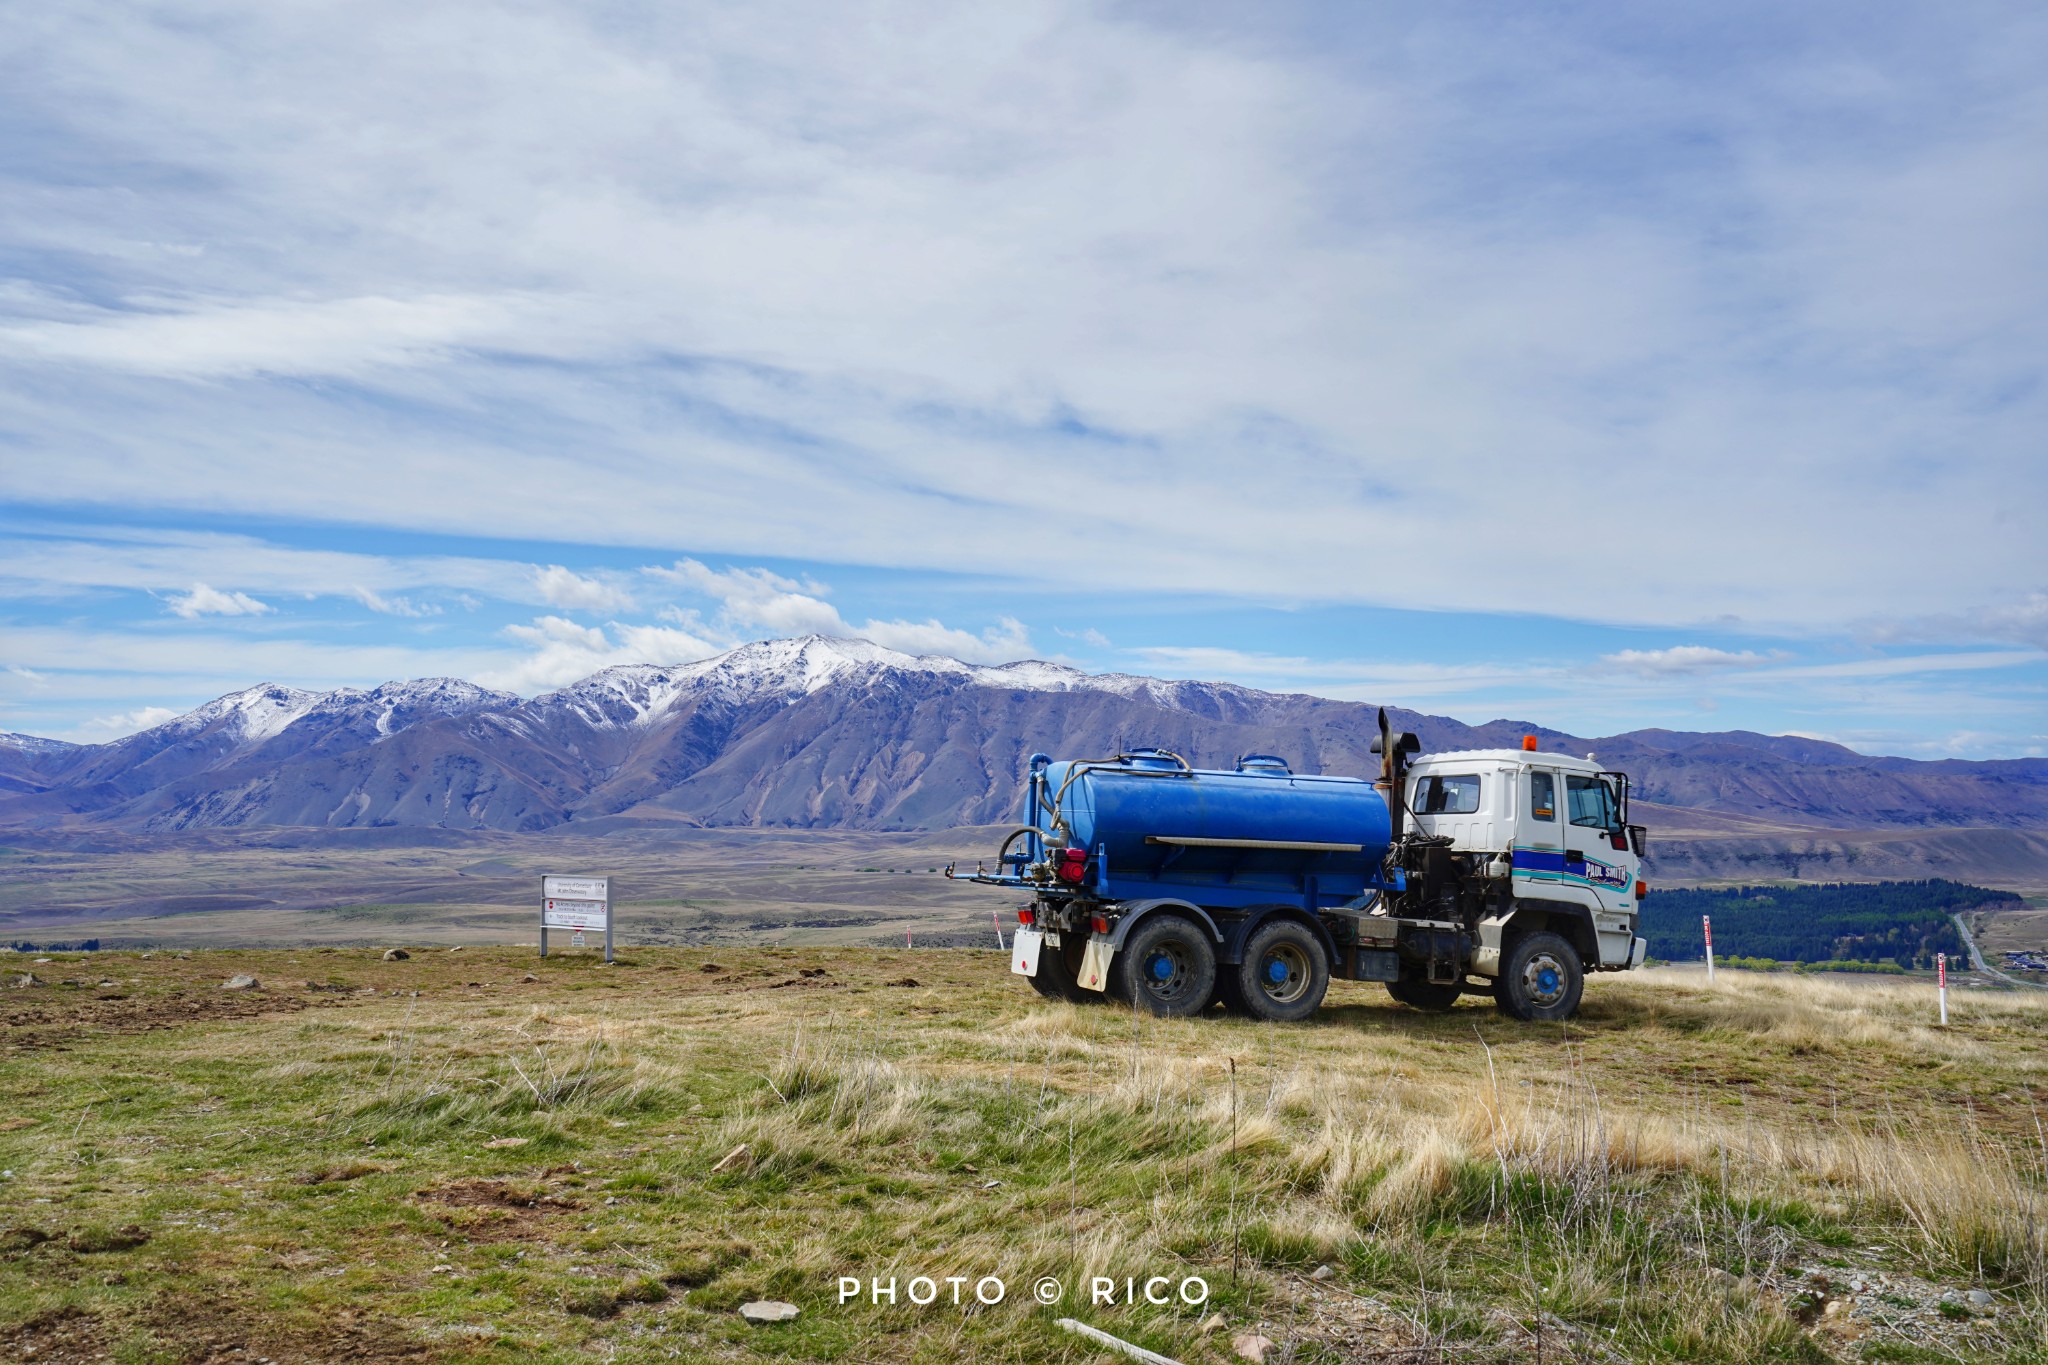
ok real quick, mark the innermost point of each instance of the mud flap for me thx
(1024, 952)
(1095, 963)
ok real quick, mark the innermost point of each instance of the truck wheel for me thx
(1055, 979)
(1284, 973)
(1433, 996)
(1167, 966)
(1540, 978)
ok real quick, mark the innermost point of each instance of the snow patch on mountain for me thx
(640, 694)
(35, 744)
(394, 706)
(250, 716)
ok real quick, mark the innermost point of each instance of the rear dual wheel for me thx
(1284, 975)
(1166, 967)
(1058, 969)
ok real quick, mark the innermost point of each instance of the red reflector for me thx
(1642, 889)
(1099, 925)
(1070, 864)
(1617, 841)
(1027, 915)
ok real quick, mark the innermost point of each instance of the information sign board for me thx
(578, 904)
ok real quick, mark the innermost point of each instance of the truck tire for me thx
(1055, 979)
(1284, 975)
(1433, 996)
(1540, 978)
(1166, 967)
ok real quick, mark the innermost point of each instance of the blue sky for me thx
(1603, 366)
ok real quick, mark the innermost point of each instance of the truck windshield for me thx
(1592, 803)
(1453, 795)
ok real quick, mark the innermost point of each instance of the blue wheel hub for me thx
(1546, 980)
(1276, 970)
(1161, 966)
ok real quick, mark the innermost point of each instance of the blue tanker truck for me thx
(1508, 873)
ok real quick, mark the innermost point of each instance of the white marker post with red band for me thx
(1941, 984)
(997, 920)
(1707, 927)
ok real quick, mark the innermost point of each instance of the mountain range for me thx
(833, 733)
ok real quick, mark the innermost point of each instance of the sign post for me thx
(576, 904)
(1707, 926)
(1941, 984)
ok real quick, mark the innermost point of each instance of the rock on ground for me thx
(241, 981)
(768, 1310)
(396, 955)
(1251, 1346)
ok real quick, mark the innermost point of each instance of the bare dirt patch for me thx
(200, 1330)
(63, 1336)
(494, 1210)
(59, 1023)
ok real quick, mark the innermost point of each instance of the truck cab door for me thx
(1592, 824)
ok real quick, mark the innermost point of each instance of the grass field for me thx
(478, 1156)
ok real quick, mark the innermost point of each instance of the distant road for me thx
(1977, 962)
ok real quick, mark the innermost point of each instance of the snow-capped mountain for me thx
(826, 732)
(639, 694)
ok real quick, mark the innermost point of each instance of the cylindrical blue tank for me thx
(1154, 827)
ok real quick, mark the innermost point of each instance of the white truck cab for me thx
(1558, 825)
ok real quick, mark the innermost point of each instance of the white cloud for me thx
(205, 601)
(755, 600)
(1065, 293)
(758, 598)
(1005, 642)
(564, 652)
(2021, 621)
(207, 338)
(100, 729)
(1686, 659)
(561, 588)
(393, 605)
(65, 560)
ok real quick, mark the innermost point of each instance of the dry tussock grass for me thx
(1367, 1134)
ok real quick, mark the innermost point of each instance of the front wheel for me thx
(1167, 967)
(1540, 978)
(1284, 975)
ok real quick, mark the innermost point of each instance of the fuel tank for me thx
(1153, 826)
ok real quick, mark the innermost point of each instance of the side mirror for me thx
(1635, 839)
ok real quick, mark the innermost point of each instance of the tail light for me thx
(1027, 916)
(1099, 924)
(1070, 865)
(1642, 889)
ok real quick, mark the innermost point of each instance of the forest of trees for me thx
(1902, 922)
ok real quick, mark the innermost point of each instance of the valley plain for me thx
(677, 885)
(673, 887)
